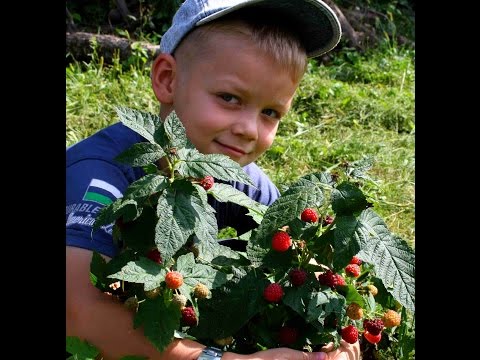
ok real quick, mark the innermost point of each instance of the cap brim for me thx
(318, 26)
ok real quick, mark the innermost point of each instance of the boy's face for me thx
(231, 98)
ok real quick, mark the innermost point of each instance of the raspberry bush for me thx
(320, 264)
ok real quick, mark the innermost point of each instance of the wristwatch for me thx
(211, 353)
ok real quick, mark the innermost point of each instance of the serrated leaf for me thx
(392, 258)
(142, 122)
(358, 169)
(97, 271)
(347, 236)
(352, 295)
(213, 252)
(348, 199)
(230, 308)
(297, 298)
(139, 234)
(160, 319)
(176, 221)
(197, 165)
(194, 273)
(175, 131)
(128, 209)
(206, 228)
(82, 349)
(141, 154)
(315, 310)
(143, 271)
(227, 193)
(146, 186)
(306, 192)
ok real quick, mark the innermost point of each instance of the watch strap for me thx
(211, 353)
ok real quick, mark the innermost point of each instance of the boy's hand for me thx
(285, 354)
(345, 351)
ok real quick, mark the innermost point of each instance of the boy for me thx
(230, 69)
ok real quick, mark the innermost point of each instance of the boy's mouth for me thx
(230, 150)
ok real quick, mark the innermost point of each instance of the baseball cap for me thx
(316, 23)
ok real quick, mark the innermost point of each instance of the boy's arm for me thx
(106, 324)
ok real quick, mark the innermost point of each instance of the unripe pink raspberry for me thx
(207, 182)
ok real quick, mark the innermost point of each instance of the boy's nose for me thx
(246, 125)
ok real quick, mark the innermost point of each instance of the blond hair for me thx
(272, 38)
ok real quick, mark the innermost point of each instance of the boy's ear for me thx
(163, 75)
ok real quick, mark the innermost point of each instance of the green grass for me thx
(357, 106)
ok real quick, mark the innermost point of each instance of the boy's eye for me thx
(228, 98)
(271, 113)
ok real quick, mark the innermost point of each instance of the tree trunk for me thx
(79, 46)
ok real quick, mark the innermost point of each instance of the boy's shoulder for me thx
(105, 144)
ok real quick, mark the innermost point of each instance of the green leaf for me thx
(140, 233)
(217, 254)
(358, 169)
(143, 123)
(227, 193)
(176, 221)
(231, 307)
(297, 298)
(128, 209)
(347, 238)
(160, 319)
(194, 273)
(392, 257)
(206, 228)
(348, 199)
(97, 271)
(141, 154)
(146, 186)
(352, 295)
(175, 131)
(306, 192)
(81, 349)
(197, 165)
(143, 271)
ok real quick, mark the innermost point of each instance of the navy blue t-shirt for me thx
(94, 179)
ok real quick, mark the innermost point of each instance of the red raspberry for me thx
(207, 182)
(287, 335)
(273, 292)
(353, 270)
(154, 255)
(309, 215)
(189, 318)
(373, 326)
(356, 260)
(297, 276)
(373, 339)
(174, 279)
(350, 334)
(281, 241)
